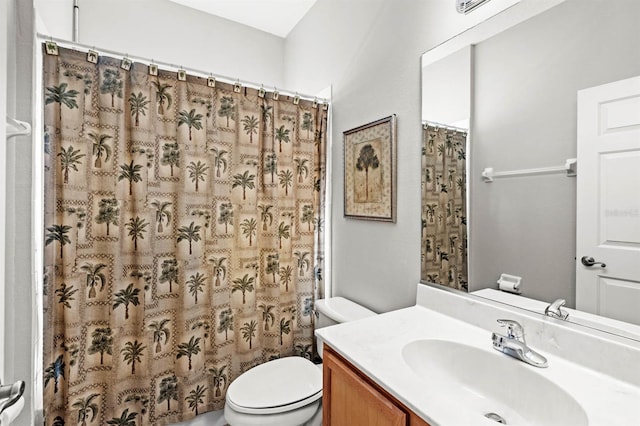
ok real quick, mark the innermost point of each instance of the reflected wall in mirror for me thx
(443, 246)
(523, 114)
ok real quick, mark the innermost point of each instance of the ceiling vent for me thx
(466, 6)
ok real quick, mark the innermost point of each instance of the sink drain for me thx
(496, 418)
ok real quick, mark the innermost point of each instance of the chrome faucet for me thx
(554, 310)
(514, 345)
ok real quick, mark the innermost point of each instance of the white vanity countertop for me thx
(374, 345)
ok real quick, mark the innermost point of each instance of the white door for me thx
(608, 201)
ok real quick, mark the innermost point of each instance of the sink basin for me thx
(492, 384)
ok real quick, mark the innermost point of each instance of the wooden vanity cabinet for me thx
(350, 398)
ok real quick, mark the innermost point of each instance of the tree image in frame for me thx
(226, 216)
(219, 160)
(125, 298)
(191, 119)
(250, 125)
(101, 342)
(125, 419)
(196, 284)
(190, 234)
(367, 173)
(163, 96)
(249, 229)
(136, 227)
(225, 322)
(197, 172)
(160, 330)
(100, 148)
(108, 213)
(60, 94)
(168, 391)
(272, 266)
(244, 181)
(111, 84)
(307, 123)
(69, 160)
(163, 213)
(65, 295)
(132, 353)
(285, 328)
(227, 109)
(86, 408)
(130, 172)
(58, 233)
(170, 156)
(266, 216)
(54, 371)
(195, 398)
(219, 269)
(268, 316)
(138, 105)
(220, 379)
(282, 135)
(271, 165)
(189, 349)
(169, 272)
(95, 277)
(249, 331)
(244, 285)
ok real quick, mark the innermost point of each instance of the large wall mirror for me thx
(508, 96)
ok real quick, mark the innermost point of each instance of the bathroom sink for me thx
(491, 384)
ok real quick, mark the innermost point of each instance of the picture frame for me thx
(370, 171)
(153, 70)
(182, 75)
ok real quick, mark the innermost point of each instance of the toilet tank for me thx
(336, 310)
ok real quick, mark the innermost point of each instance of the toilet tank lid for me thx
(341, 310)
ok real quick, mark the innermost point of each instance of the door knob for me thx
(590, 261)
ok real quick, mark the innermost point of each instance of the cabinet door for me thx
(349, 400)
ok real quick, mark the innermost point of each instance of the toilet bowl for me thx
(287, 391)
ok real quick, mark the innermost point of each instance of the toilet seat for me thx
(276, 386)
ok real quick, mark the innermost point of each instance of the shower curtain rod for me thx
(444, 126)
(192, 71)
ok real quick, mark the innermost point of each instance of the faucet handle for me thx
(554, 309)
(514, 329)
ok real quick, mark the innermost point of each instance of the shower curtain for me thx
(444, 207)
(183, 240)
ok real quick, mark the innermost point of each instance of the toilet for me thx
(287, 391)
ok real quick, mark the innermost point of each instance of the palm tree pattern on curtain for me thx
(444, 208)
(182, 241)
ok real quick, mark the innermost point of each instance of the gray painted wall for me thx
(525, 112)
(369, 51)
(169, 32)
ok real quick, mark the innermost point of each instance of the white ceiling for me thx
(273, 16)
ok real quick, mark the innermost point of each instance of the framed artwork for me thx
(370, 171)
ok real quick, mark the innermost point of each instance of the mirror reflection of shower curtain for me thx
(444, 207)
(183, 238)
